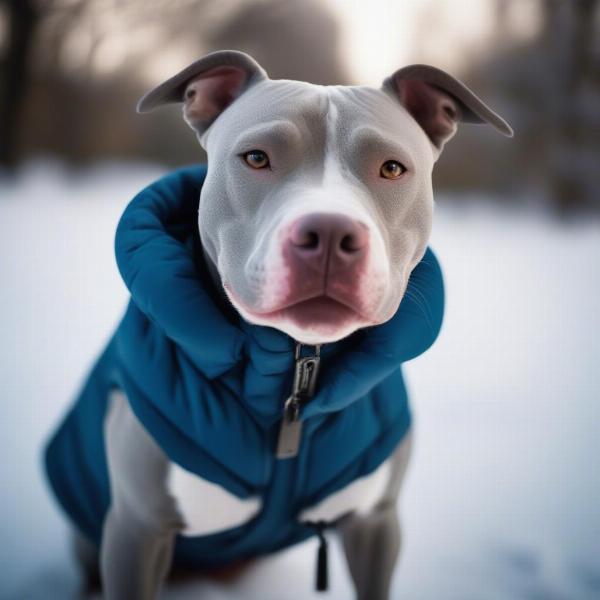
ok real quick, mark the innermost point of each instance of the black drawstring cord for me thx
(322, 577)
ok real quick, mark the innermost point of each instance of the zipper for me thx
(290, 434)
(303, 389)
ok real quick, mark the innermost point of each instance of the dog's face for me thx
(317, 203)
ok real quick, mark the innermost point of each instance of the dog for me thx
(313, 223)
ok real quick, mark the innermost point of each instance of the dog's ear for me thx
(438, 101)
(206, 87)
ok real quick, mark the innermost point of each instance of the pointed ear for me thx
(438, 101)
(206, 87)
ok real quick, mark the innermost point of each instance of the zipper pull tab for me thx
(305, 379)
(322, 577)
(322, 574)
(290, 430)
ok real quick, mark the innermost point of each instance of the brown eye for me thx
(257, 159)
(392, 169)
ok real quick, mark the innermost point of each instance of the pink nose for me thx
(318, 239)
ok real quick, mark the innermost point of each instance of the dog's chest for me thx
(208, 508)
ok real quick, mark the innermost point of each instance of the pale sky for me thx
(380, 36)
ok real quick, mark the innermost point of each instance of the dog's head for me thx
(317, 203)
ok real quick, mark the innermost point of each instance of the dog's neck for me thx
(216, 286)
(213, 272)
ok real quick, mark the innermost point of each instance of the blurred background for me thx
(72, 71)
(503, 497)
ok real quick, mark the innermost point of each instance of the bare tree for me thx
(570, 32)
(548, 87)
(22, 17)
(293, 39)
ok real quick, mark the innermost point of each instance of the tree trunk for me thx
(570, 33)
(22, 19)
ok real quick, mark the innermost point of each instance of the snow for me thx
(502, 498)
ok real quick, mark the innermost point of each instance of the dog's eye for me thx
(257, 159)
(392, 169)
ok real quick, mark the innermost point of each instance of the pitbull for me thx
(316, 207)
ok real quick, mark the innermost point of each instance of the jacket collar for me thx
(162, 263)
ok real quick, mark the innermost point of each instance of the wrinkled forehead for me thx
(317, 116)
(273, 105)
(368, 118)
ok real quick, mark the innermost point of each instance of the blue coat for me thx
(210, 387)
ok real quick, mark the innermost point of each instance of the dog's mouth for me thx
(317, 310)
(321, 309)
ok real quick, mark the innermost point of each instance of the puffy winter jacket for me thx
(210, 387)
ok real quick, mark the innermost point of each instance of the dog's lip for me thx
(298, 304)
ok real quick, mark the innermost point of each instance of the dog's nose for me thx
(335, 238)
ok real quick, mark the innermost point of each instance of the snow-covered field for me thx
(502, 500)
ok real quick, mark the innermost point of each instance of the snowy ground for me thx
(502, 500)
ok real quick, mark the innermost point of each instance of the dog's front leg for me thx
(140, 526)
(372, 541)
(134, 557)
